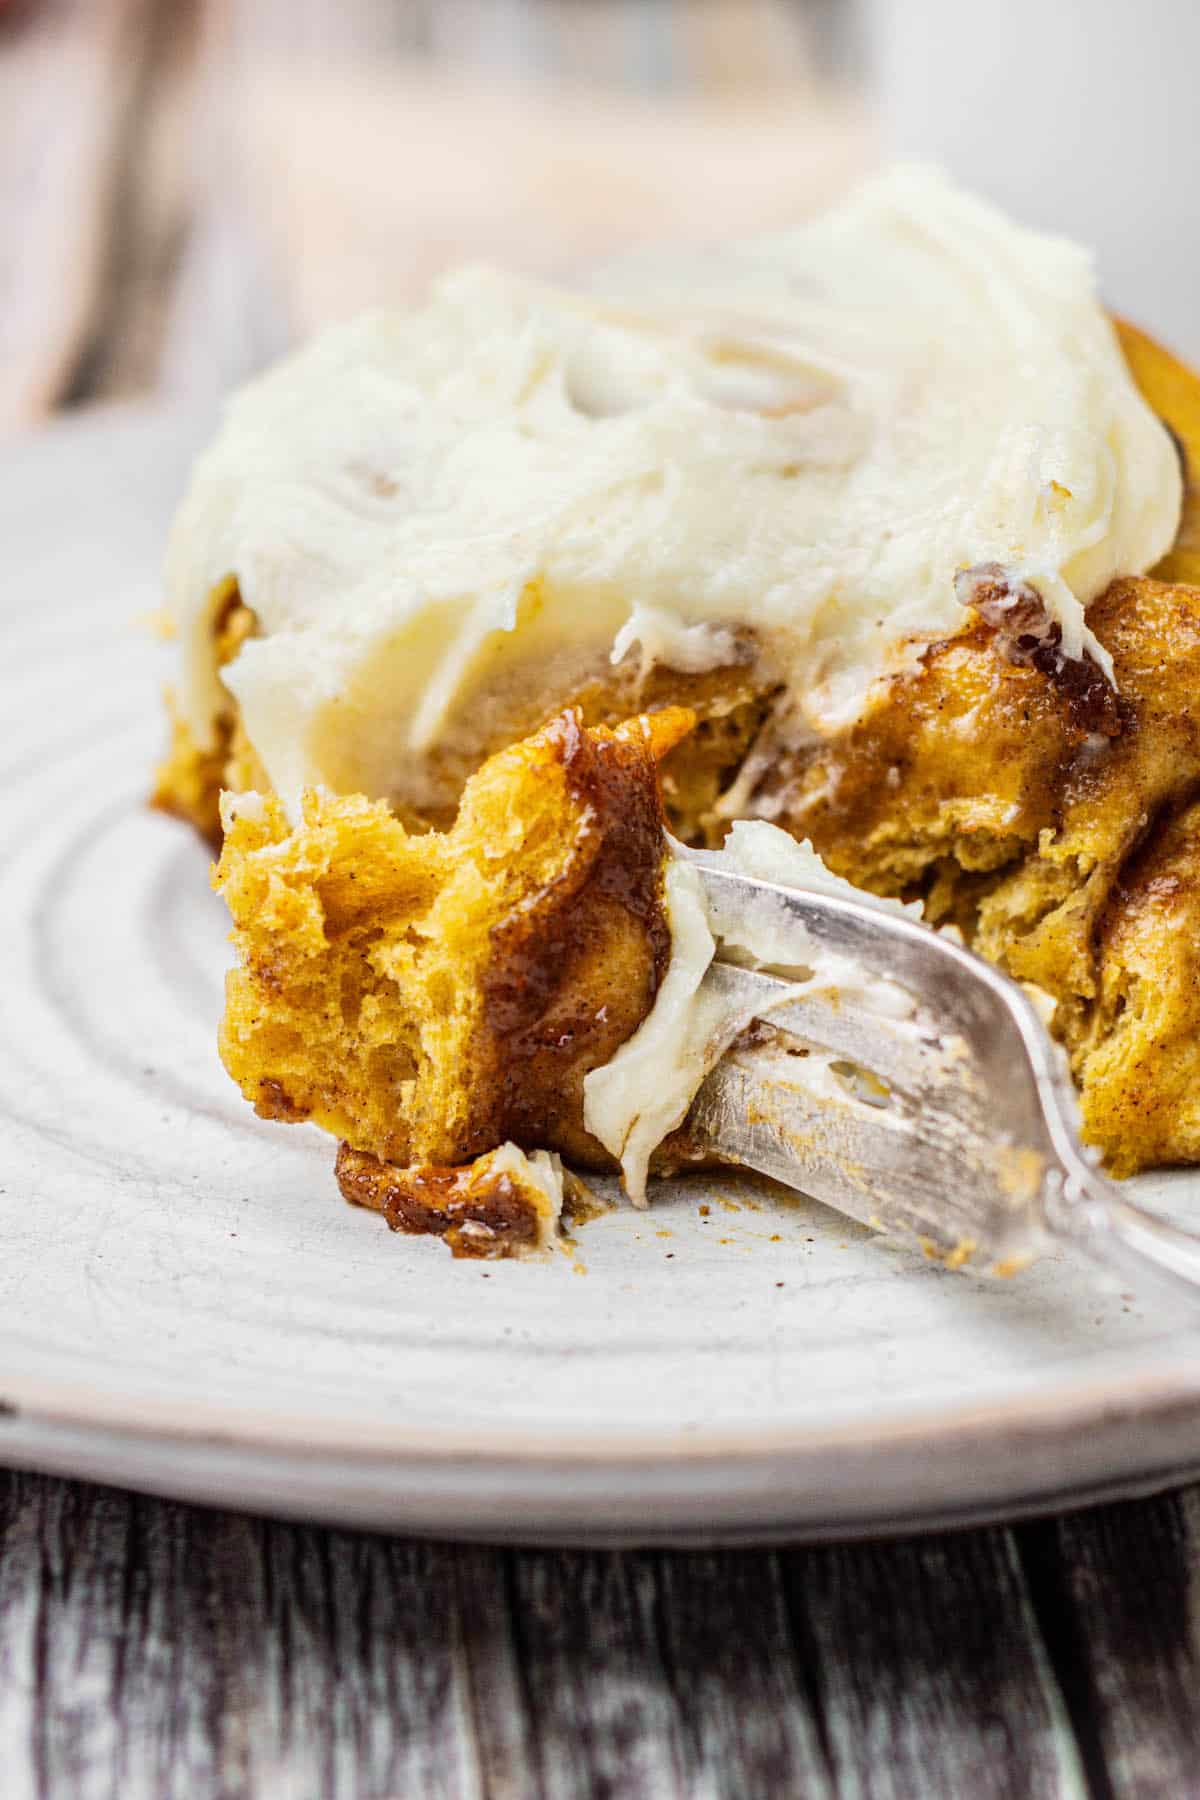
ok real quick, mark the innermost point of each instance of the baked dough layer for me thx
(427, 997)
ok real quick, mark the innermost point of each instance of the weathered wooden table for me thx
(149, 1649)
(177, 200)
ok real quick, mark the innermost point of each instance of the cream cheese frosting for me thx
(447, 520)
(637, 1098)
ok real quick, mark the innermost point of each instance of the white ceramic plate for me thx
(187, 1306)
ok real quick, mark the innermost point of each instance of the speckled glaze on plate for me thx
(186, 1305)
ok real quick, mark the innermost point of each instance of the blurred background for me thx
(186, 186)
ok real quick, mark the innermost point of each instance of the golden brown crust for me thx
(1138, 1051)
(427, 997)
(971, 783)
(547, 987)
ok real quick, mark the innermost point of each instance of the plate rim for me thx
(811, 1488)
(1084, 1436)
(1076, 1405)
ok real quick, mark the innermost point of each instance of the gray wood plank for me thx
(154, 1650)
(368, 1688)
(650, 1675)
(930, 1672)
(660, 1675)
(501, 1719)
(1118, 1591)
(603, 1723)
(748, 1723)
(148, 1648)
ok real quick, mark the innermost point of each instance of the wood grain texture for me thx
(152, 1650)
(646, 1675)
(1119, 1599)
(603, 1719)
(930, 1671)
(149, 1649)
(749, 1719)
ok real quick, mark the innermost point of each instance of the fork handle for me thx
(1122, 1236)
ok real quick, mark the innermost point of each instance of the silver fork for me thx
(952, 1120)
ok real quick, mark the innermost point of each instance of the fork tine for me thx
(907, 1053)
(902, 1167)
(952, 1146)
(972, 1141)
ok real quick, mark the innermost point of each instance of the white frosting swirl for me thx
(446, 519)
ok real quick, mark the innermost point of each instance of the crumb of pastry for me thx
(503, 1204)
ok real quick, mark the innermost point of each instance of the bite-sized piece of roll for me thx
(429, 996)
